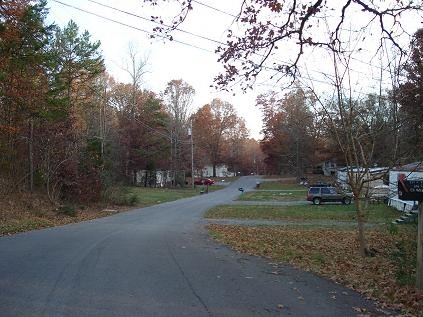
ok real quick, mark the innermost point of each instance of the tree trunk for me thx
(31, 155)
(361, 221)
(419, 269)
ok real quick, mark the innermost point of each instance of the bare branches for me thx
(164, 30)
(297, 22)
(269, 28)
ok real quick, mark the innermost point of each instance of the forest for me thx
(70, 130)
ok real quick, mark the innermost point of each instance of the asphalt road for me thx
(157, 261)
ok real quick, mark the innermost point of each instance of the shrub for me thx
(67, 210)
(121, 196)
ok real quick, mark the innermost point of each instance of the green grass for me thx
(276, 195)
(376, 214)
(275, 185)
(151, 196)
(276, 191)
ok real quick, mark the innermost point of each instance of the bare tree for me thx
(178, 97)
(294, 26)
(136, 68)
(346, 119)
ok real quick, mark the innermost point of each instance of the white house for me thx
(412, 171)
(221, 171)
(156, 178)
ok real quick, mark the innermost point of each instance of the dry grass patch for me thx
(22, 212)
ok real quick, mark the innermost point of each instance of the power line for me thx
(129, 26)
(229, 14)
(213, 8)
(187, 32)
(184, 31)
(152, 21)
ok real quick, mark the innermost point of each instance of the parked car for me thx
(317, 195)
(204, 181)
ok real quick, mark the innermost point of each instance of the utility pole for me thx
(192, 154)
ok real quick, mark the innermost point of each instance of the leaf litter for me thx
(334, 254)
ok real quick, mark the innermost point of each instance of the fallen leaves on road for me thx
(335, 254)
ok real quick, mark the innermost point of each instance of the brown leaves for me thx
(334, 254)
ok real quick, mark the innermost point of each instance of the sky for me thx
(191, 55)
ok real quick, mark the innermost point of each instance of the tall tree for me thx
(350, 124)
(178, 97)
(212, 125)
(410, 96)
(75, 67)
(252, 160)
(233, 145)
(143, 139)
(289, 131)
(23, 84)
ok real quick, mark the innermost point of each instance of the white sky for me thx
(195, 61)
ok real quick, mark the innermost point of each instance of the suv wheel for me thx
(316, 201)
(346, 201)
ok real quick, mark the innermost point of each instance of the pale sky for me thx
(193, 61)
(191, 56)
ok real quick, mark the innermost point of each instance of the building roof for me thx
(371, 170)
(411, 167)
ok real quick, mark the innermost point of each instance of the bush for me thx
(405, 260)
(121, 196)
(67, 210)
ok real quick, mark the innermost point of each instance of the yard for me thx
(323, 239)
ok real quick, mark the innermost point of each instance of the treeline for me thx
(68, 129)
(303, 129)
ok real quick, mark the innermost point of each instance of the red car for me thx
(204, 181)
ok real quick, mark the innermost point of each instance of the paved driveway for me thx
(156, 261)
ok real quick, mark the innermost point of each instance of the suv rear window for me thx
(325, 190)
(314, 190)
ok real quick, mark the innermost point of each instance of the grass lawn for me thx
(332, 252)
(274, 195)
(276, 191)
(277, 185)
(377, 213)
(144, 196)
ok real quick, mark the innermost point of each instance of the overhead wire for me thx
(151, 34)
(213, 8)
(183, 31)
(130, 26)
(155, 22)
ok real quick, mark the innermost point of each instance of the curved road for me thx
(157, 261)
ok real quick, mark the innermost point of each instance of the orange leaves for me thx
(7, 129)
